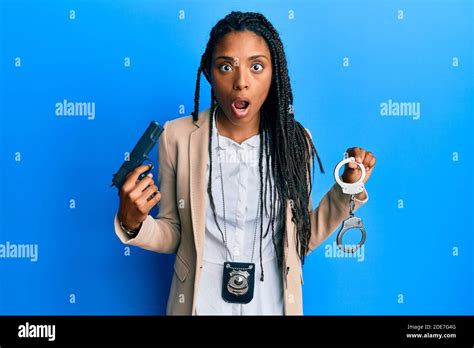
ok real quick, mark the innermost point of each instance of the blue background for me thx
(409, 250)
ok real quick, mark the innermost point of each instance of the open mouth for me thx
(240, 107)
(241, 104)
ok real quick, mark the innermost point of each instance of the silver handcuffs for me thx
(351, 189)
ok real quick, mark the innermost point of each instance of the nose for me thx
(241, 80)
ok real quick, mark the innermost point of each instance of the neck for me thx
(237, 132)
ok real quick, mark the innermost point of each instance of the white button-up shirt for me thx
(241, 181)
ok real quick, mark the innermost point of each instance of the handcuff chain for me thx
(351, 206)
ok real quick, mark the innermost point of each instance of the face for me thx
(241, 74)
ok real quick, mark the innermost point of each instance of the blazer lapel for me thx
(198, 158)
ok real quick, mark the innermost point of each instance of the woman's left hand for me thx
(352, 172)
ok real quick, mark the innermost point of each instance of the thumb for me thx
(352, 165)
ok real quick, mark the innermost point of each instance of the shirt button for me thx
(236, 251)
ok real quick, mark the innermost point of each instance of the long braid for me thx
(196, 94)
(261, 196)
(284, 141)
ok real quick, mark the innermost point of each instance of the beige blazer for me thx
(180, 225)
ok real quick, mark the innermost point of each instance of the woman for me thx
(235, 184)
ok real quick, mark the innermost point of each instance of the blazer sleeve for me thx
(163, 233)
(332, 210)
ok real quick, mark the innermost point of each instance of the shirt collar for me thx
(224, 141)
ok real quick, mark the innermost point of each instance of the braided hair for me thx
(285, 140)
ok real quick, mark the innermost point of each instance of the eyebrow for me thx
(249, 58)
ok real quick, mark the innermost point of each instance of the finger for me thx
(367, 159)
(154, 192)
(352, 165)
(143, 172)
(141, 200)
(139, 169)
(372, 162)
(154, 200)
(132, 177)
(359, 154)
(146, 194)
(142, 185)
(149, 195)
(370, 165)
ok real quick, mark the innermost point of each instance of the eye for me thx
(224, 65)
(258, 64)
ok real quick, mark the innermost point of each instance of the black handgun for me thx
(138, 155)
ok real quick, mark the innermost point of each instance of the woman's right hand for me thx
(136, 198)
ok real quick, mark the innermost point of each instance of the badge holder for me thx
(351, 189)
(238, 283)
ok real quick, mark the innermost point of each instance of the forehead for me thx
(241, 44)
